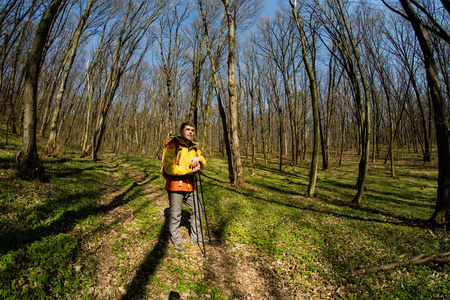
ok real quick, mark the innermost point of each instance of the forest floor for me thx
(98, 230)
(212, 263)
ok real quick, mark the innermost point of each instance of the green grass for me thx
(299, 247)
(323, 240)
(42, 227)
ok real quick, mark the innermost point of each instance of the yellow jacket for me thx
(176, 158)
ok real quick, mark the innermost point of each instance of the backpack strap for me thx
(177, 149)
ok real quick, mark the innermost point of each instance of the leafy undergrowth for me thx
(98, 230)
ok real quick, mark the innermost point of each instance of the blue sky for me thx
(269, 9)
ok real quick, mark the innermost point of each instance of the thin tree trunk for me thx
(343, 132)
(426, 139)
(51, 142)
(261, 118)
(253, 126)
(207, 116)
(238, 179)
(197, 65)
(315, 105)
(391, 122)
(365, 116)
(219, 100)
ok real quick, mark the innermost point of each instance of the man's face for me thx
(188, 132)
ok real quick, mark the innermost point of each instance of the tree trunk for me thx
(219, 100)
(28, 164)
(426, 139)
(280, 134)
(51, 142)
(391, 122)
(238, 179)
(441, 213)
(207, 117)
(197, 65)
(261, 118)
(253, 127)
(364, 112)
(315, 105)
(343, 132)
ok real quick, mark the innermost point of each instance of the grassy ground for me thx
(98, 231)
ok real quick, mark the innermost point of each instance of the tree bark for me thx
(28, 164)
(364, 112)
(207, 117)
(388, 92)
(315, 105)
(262, 124)
(441, 213)
(238, 179)
(219, 100)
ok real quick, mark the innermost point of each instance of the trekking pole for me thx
(203, 201)
(196, 208)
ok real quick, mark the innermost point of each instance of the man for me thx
(181, 159)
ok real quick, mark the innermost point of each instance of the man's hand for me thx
(195, 164)
(195, 161)
(197, 168)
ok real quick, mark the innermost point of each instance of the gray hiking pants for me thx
(176, 200)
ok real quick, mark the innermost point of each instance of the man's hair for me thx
(186, 124)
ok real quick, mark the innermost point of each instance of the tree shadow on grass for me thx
(6, 163)
(73, 172)
(64, 223)
(277, 171)
(137, 288)
(290, 201)
(55, 168)
(401, 220)
(153, 177)
(396, 219)
(215, 179)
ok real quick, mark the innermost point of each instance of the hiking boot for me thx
(179, 247)
(200, 240)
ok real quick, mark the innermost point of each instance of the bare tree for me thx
(15, 18)
(278, 43)
(442, 208)
(274, 99)
(314, 100)
(197, 59)
(214, 62)
(405, 48)
(28, 164)
(69, 59)
(131, 29)
(251, 82)
(327, 113)
(238, 176)
(340, 31)
(171, 50)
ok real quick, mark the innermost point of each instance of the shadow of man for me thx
(137, 287)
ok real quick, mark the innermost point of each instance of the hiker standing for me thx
(181, 159)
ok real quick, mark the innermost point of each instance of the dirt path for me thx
(127, 263)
